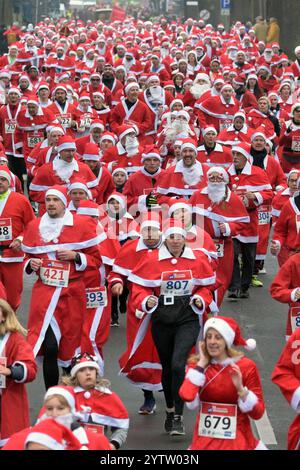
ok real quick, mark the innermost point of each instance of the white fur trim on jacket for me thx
(250, 402)
(25, 371)
(295, 402)
(144, 305)
(196, 309)
(293, 295)
(196, 378)
(193, 405)
(259, 198)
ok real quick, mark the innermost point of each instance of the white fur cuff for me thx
(295, 402)
(250, 402)
(196, 378)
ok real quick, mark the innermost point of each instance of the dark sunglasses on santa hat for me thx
(95, 79)
(78, 358)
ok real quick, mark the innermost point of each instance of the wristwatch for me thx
(243, 392)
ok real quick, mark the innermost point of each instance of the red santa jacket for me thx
(231, 137)
(139, 185)
(215, 387)
(138, 114)
(117, 156)
(256, 118)
(287, 227)
(14, 401)
(105, 185)
(56, 65)
(173, 181)
(8, 123)
(220, 156)
(279, 202)
(64, 116)
(289, 142)
(255, 180)
(275, 174)
(286, 375)
(215, 112)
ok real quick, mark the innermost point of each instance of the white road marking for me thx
(265, 430)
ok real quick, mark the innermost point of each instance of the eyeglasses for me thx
(95, 79)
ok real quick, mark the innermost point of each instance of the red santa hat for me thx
(208, 129)
(172, 227)
(58, 191)
(220, 170)
(244, 149)
(129, 86)
(175, 204)
(5, 173)
(43, 86)
(53, 435)
(84, 96)
(91, 152)
(227, 86)
(63, 391)
(240, 80)
(5, 73)
(260, 132)
(120, 170)
(230, 331)
(189, 144)
(66, 142)
(88, 207)
(169, 84)
(184, 114)
(59, 87)
(98, 93)
(151, 152)
(97, 124)
(14, 90)
(81, 361)
(79, 183)
(33, 99)
(125, 129)
(109, 136)
(151, 219)
(295, 106)
(118, 197)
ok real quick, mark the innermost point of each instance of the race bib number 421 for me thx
(218, 421)
(176, 283)
(55, 273)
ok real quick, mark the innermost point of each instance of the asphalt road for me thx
(260, 317)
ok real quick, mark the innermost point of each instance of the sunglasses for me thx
(76, 359)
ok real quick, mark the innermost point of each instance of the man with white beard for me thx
(201, 84)
(224, 217)
(186, 176)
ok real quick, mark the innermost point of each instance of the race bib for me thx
(296, 144)
(94, 428)
(66, 120)
(218, 421)
(33, 140)
(219, 244)
(5, 230)
(176, 283)
(85, 121)
(3, 362)
(10, 126)
(225, 124)
(295, 318)
(264, 215)
(55, 273)
(96, 297)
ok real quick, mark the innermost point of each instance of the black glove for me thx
(151, 200)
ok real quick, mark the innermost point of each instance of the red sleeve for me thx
(282, 285)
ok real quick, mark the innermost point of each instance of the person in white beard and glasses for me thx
(186, 176)
(224, 216)
(200, 86)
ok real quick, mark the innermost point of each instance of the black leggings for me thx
(50, 367)
(174, 343)
(17, 167)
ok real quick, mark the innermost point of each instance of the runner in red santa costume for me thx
(224, 216)
(15, 214)
(219, 111)
(44, 154)
(286, 232)
(15, 182)
(98, 301)
(84, 115)
(286, 375)
(126, 153)
(8, 124)
(225, 387)
(262, 117)
(63, 110)
(105, 185)
(212, 153)
(59, 405)
(285, 289)
(51, 435)
(62, 171)
(96, 131)
(252, 185)
(59, 62)
(174, 301)
(236, 133)
(139, 352)
(131, 110)
(31, 125)
(184, 178)
(289, 142)
(140, 188)
(59, 247)
(99, 407)
(17, 368)
(282, 197)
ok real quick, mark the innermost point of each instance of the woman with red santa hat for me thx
(225, 386)
(286, 375)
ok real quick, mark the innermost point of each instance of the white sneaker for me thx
(262, 271)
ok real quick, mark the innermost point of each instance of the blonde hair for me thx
(229, 351)
(60, 398)
(74, 382)
(11, 324)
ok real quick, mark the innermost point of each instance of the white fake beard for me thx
(216, 192)
(50, 228)
(63, 169)
(198, 90)
(191, 176)
(66, 420)
(132, 146)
